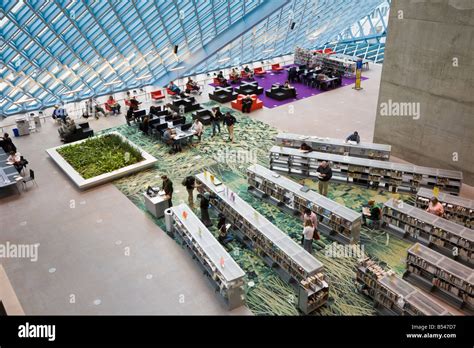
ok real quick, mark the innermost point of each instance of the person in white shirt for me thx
(15, 157)
(308, 233)
(197, 128)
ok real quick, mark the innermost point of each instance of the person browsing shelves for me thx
(435, 207)
(325, 174)
(354, 137)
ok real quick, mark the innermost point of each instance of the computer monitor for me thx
(139, 113)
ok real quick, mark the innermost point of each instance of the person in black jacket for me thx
(229, 121)
(325, 174)
(216, 116)
(354, 137)
(190, 183)
(204, 205)
(7, 144)
(168, 188)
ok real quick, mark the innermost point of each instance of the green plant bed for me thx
(100, 155)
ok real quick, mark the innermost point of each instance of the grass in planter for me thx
(100, 155)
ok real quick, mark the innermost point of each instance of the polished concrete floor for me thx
(99, 254)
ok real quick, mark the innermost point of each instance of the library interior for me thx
(237, 157)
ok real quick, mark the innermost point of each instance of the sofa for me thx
(204, 115)
(256, 104)
(82, 131)
(279, 92)
(249, 87)
(223, 94)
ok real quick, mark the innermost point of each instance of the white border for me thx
(82, 183)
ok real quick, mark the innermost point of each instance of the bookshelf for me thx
(276, 248)
(311, 59)
(223, 272)
(445, 236)
(457, 209)
(445, 278)
(371, 173)
(335, 220)
(335, 146)
(391, 294)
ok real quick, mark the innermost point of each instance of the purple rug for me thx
(302, 90)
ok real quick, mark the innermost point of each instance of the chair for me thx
(30, 178)
(259, 71)
(256, 104)
(276, 68)
(171, 93)
(157, 95)
(245, 75)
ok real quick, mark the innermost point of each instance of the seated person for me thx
(305, 148)
(372, 213)
(288, 86)
(59, 113)
(169, 138)
(249, 72)
(354, 137)
(129, 116)
(175, 116)
(223, 228)
(144, 126)
(435, 207)
(234, 76)
(192, 86)
(222, 79)
(134, 103)
(247, 103)
(15, 159)
(67, 128)
(113, 105)
(173, 88)
(197, 128)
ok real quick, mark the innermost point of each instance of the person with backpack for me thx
(190, 183)
(229, 121)
(372, 213)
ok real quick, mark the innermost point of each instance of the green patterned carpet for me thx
(266, 293)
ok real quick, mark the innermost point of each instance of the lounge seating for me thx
(259, 71)
(249, 88)
(171, 93)
(279, 92)
(204, 115)
(82, 131)
(223, 94)
(256, 104)
(276, 68)
(189, 104)
(157, 95)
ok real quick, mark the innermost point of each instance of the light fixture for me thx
(269, 50)
(25, 101)
(143, 77)
(73, 91)
(223, 60)
(112, 83)
(177, 68)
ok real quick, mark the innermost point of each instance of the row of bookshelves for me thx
(452, 239)
(269, 242)
(334, 216)
(335, 146)
(457, 209)
(393, 294)
(451, 277)
(391, 175)
(220, 268)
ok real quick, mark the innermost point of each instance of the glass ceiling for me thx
(58, 50)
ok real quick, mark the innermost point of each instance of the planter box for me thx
(82, 183)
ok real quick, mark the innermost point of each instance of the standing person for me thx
(168, 188)
(309, 215)
(435, 207)
(216, 116)
(204, 205)
(190, 183)
(197, 128)
(354, 137)
(247, 104)
(325, 174)
(229, 121)
(7, 143)
(308, 233)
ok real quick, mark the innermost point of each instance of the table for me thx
(156, 205)
(8, 174)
